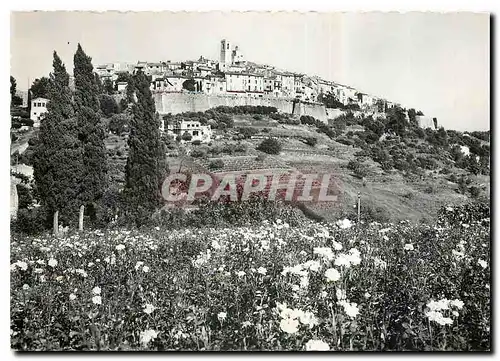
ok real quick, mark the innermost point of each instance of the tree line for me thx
(70, 162)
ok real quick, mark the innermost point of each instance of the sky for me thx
(438, 63)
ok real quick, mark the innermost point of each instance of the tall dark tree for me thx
(13, 85)
(108, 87)
(91, 132)
(57, 160)
(146, 164)
(40, 88)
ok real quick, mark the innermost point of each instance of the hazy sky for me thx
(438, 63)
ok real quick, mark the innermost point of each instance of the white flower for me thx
(38, 270)
(303, 253)
(81, 272)
(325, 252)
(120, 247)
(22, 265)
(97, 300)
(222, 316)
(332, 275)
(240, 273)
(482, 263)
(313, 265)
(341, 294)
(323, 294)
(145, 269)
(337, 246)
(434, 315)
(289, 325)
(342, 260)
(138, 264)
(149, 308)
(52, 262)
(457, 303)
(409, 247)
(308, 318)
(96, 290)
(59, 278)
(246, 324)
(72, 297)
(455, 313)
(215, 244)
(345, 223)
(438, 305)
(147, 336)
(367, 295)
(317, 345)
(354, 256)
(261, 270)
(26, 287)
(351, 309)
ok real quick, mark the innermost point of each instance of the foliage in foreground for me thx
(267, 287)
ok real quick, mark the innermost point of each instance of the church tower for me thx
(225, 53)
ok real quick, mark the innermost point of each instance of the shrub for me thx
(30, 221)
(197, 153)
(270, 146)
(257, 117)
(216, 164)
(312, 141)
(196, 142)
(108, 105)
(119, 123)
(360, 170)
(248, 132)
(24, 196)
(186, 136)
(474, 191)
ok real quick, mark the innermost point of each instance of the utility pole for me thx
(359, 207)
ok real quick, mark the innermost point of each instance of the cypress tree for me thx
(146, 163)
(91, 132)
(58, 157)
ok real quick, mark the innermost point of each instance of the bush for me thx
(186, 136)
(197, 153)
(360, 170)
(248, 132)
(119, 123)
(30, 221)
(312, 141)
(196, 142)
(216, 164)
(108, 105)
(257, 117)
(24, 196)
(270, 146)
(475, 191)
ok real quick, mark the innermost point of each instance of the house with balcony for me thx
(198, 132)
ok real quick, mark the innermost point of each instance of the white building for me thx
(244, 82)
(121, 86)
(38, 110)
(203, 133)
(236, 56)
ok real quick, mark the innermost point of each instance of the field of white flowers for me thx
(272, 287)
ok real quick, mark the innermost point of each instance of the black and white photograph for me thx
(250, 181)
